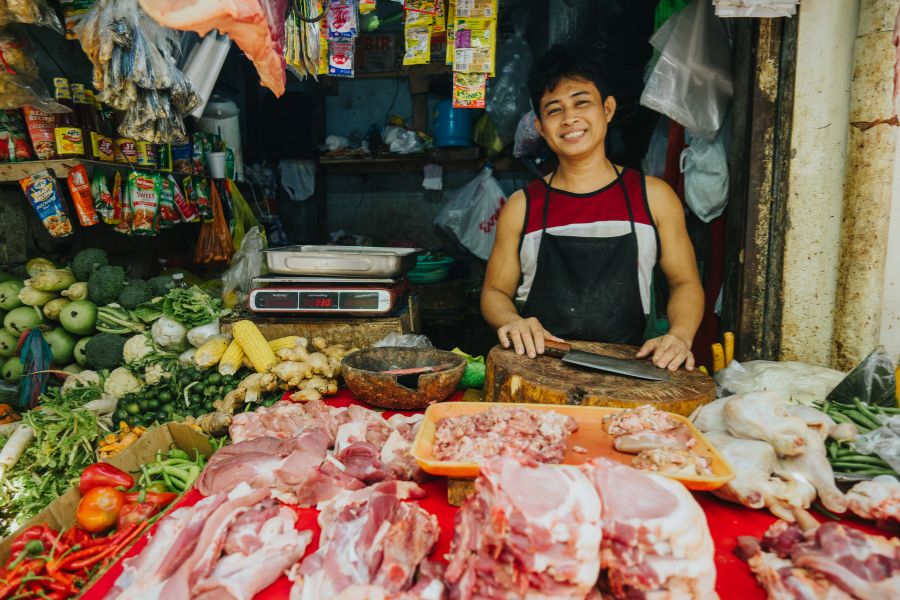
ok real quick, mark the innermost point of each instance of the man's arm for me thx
(678, 263)
(501, 280)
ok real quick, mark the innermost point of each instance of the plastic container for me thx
(430, 270)
(216, 161)
(452, 126)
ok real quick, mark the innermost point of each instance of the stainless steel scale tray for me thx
(341, 261)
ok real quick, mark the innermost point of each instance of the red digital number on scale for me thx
(317, 301)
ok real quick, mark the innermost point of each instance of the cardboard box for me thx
(60, 514)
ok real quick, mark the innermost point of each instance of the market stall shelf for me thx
(510, 377)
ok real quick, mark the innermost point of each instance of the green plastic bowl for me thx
(430, 270)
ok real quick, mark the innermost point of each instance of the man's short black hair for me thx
(570, 61)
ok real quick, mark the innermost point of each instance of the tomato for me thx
(99, 509)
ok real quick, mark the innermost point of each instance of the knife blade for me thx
(640, 369)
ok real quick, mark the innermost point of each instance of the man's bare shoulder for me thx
(662, 199)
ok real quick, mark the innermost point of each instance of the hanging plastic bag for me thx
(471, 212)
(20, 82)
(654, 163)
(485, 134)
(884, 441)
(691, 82)
(246, 264)
(528, 141)
(31, 12)
(244, 219)
(705, 168)
(507, 94)
(214, 244)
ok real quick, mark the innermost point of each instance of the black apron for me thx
(586, 288)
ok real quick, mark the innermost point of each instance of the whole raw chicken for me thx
(759, 481)
(763, 416)
(813, 466)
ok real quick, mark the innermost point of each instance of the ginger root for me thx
(296, 354)
(319, 343)
(321, 385)
(292, 373)
(306, 395)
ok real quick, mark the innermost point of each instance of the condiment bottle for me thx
(68, 132)
(178, 281)
(126, 150)
(84, 110)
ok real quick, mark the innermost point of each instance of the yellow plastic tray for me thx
(590, 436)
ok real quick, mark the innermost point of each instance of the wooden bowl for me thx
(364, 373)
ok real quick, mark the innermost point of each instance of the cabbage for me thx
(169, 333)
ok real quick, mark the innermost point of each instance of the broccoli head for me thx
(160, 285)
(105, 351)
(136, 291)
(87, 261)
(105, 285)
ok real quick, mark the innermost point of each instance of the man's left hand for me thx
(669, 352)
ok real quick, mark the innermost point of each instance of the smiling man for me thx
(576, 251)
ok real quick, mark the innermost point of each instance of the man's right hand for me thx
(525, 335)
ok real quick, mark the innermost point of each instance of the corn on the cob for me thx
(232, 360)
(254, 346)
(288, 341)
(210, 353)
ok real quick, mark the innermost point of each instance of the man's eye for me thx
(582, 102)
(552, 111)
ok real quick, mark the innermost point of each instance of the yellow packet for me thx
(418, 46)
(469, 90)
(451, 30)
(478, 9)
(425, 6)
(475, 45)
(440, 25)
(418, 19)
(323, 48)
(367, 6)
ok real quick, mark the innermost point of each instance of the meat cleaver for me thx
(642, 369)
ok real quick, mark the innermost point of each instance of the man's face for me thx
(573, 118)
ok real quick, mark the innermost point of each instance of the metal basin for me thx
(365, 374)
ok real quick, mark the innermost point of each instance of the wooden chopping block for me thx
(510, 377)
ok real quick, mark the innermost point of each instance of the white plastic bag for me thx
(705, 168)
(245, 264)
(691, 82)
(884, 441)
(471, 213)
(396, 340)
(795, 382)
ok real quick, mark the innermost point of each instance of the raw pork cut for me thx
(530, 530)
(646, 429)
(224, 547)
(369, 537)
(286, 420)
(877, 499)
(532, 434)
(655, 536)
(256, 26)
(828, 561)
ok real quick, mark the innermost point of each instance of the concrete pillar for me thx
(825, 39)
(868, 187)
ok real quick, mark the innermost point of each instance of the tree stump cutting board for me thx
(510, 377)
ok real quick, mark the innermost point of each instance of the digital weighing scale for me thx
(326, 295)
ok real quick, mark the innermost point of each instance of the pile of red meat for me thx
(532, 434)
(823, 561)
(541, 531)
(304, 454)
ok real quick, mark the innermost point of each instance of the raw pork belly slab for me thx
(531, 434)
(371, 540)
(655, 535)
(829, 561)
(529, 531)
(256, 26)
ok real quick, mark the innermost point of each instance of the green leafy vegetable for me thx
(191, 307)
(65, 437)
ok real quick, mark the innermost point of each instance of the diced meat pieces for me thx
(531, 434)
(828, 561)
(286, 420)
(673, 462)
(256, 26)
(636, 420)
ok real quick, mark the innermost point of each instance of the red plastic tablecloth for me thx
(726, 522)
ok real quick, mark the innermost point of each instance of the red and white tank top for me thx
(602, 213)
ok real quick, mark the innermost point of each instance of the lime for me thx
(133, 408)
(165, 396)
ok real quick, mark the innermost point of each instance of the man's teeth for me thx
(573, 135)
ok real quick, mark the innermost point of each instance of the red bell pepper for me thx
(136, 512)
(103, 474)
(99, 508)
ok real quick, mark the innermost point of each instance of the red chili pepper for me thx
(136, 512)
(41, 533)
(160, 499)
(104, 474)
(127, 535)
(11, 585)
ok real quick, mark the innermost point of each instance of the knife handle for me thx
(556, 349)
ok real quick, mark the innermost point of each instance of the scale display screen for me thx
(372, 300)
